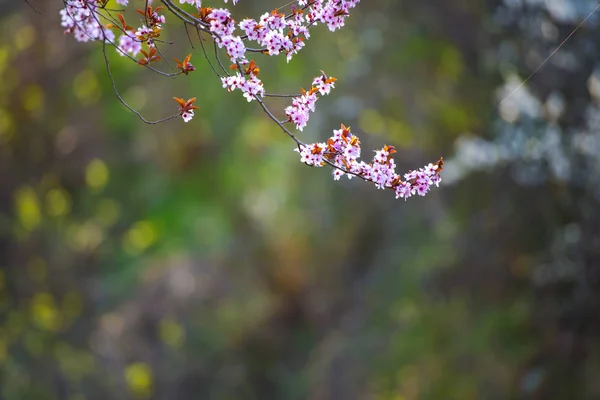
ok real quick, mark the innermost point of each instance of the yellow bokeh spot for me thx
(136, 97)
(44, 312)
(371, 121)
(171, 333)
(32, 98)
(24, 37)
(36, 269)
(139, 378)
(107, 212)
(141, 236)
(6, 126)
(57, 202)
(85, 237)
(257, 133)
(96, 174)
(3, 58)
(86, 87)
(27, 208)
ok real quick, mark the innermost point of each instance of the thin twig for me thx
(136, 112)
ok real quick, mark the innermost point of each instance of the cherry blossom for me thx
(195, 3)
(235, 48)
(273, 33)
(79, 17)
(302, 106)
(186, 108)
(342, 151)
(128, 44)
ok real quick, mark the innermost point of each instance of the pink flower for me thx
(186, 108)
(80, 18)
(403, 190)
(299, 111)
(324, 84)
(337, 174)
(236, 50)
(343, 149)
(273, 41)
(196, 3)
(250, 87)
(187, 115)
(129, 45)
(312, 154)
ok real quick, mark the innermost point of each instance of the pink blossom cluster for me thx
(277, 33)
(342, 151)
(235, 48)
(222, 26)
(82, 18)
(274, 32)
(303, 105)
(198, 3)
(221, 23)
(251, 86)
(131, 42)
(145, 34)
(331, 13)
(128, 44)
(323, 83)
(195, 3)
(79, 17)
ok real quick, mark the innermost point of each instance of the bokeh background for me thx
(204, 261)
